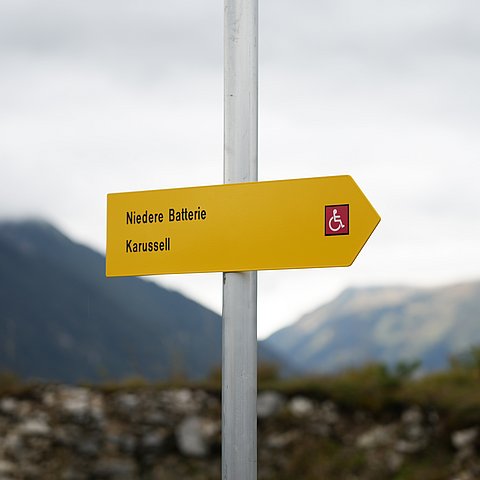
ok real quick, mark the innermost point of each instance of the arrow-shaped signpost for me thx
(303, 223)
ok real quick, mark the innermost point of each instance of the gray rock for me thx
(410, 446)
(301, 406)
(194, 436)
(8, 406)
(34, 427)
(377, 436)
(269, 403)
(6, 467)
(13, 445)
(282, 440)
(415, 432)
(80, 403)
(412, 428)
(394, 461)
(329, 413)
(25, 408)
(412, 416)
(127, 402)
(182, 401)
(462, 439)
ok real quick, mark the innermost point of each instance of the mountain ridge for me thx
(62, 319)
(386, 324)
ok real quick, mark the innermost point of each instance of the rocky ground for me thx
(75, 433)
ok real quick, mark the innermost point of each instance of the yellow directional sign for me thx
(303, 223)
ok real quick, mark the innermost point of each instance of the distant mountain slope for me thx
(384, 324)
(61, 319)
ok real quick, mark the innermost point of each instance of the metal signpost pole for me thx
(239, 360)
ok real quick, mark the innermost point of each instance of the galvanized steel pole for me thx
(239, 361)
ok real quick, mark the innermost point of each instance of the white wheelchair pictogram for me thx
(335, 223)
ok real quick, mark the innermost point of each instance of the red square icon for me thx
(337, 219)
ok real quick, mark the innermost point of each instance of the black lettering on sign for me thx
(146, 247)
(186, 215)
(134, 218)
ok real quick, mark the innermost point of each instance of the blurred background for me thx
(111, 96)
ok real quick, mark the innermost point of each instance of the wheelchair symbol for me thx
(335, 223)
(337, 219)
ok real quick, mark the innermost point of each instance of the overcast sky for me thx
(115, 95)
